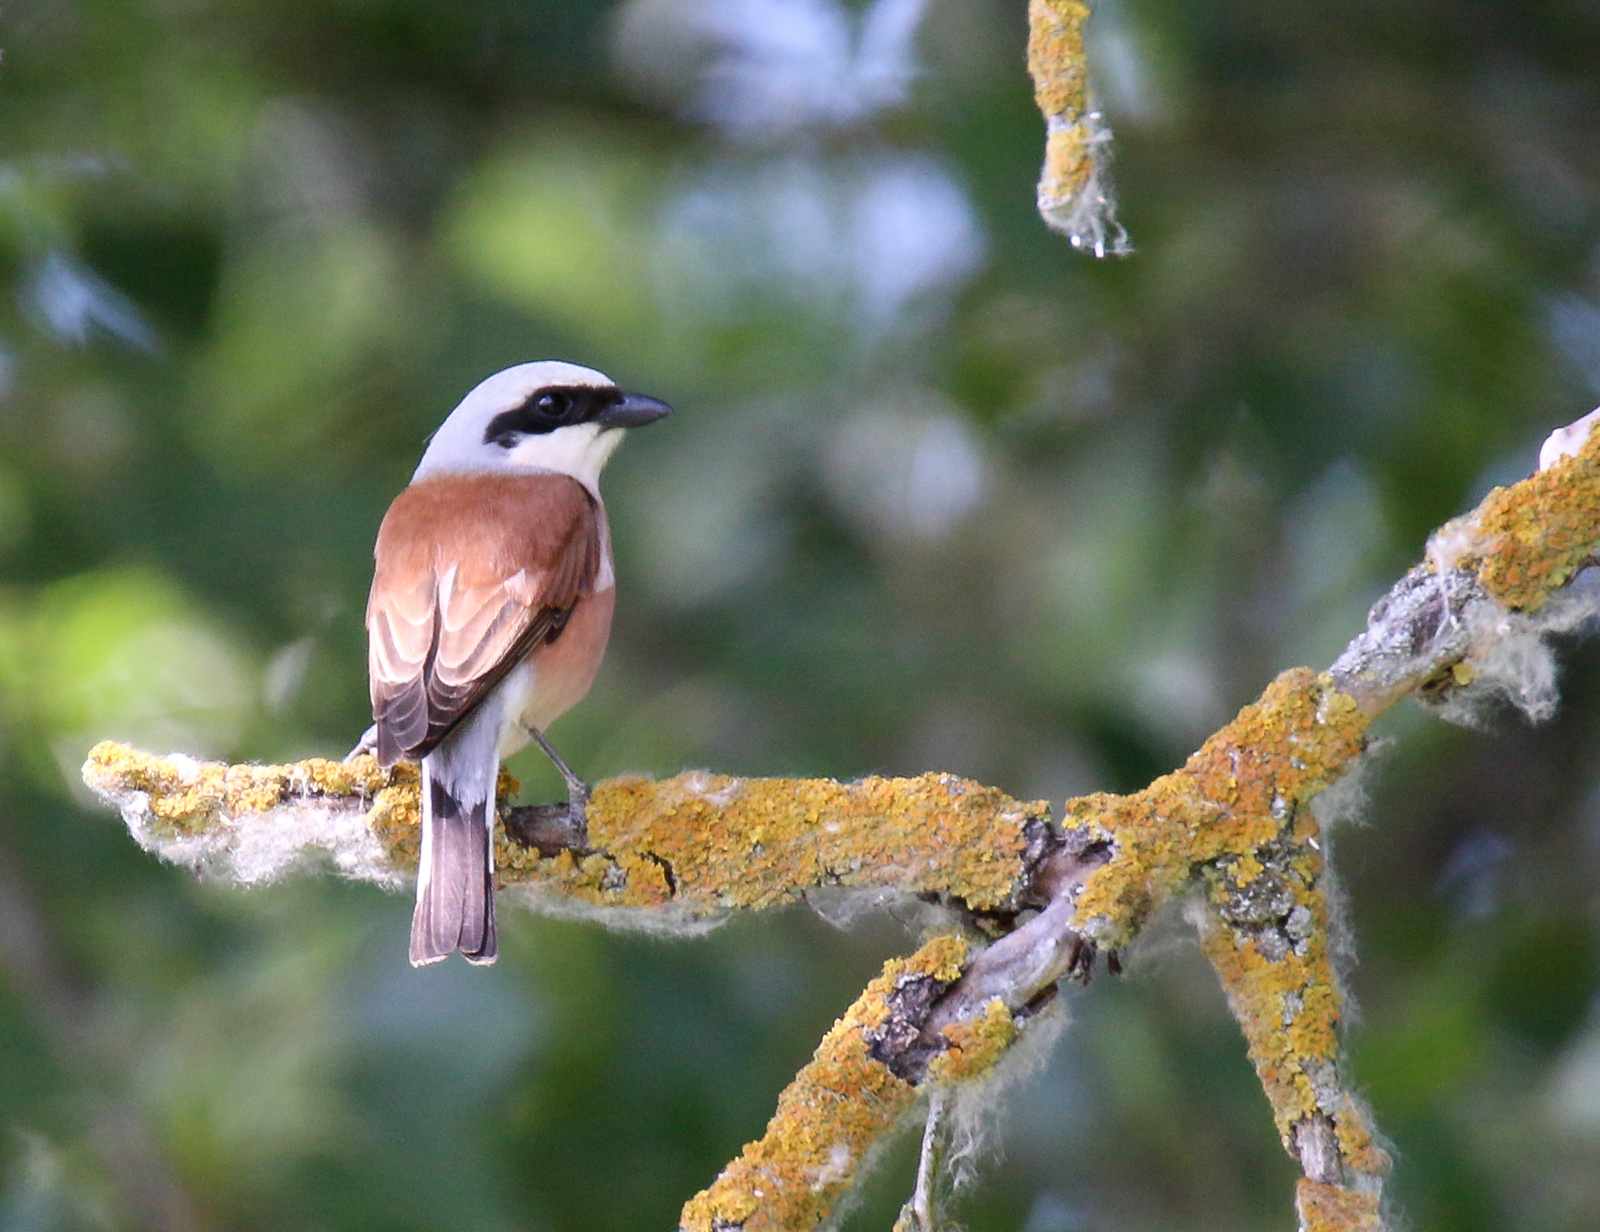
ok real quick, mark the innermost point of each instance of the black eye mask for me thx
(558, 406)
(554, 406)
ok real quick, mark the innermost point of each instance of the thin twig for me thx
(930, 1163)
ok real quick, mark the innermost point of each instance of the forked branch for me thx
(1232, 829)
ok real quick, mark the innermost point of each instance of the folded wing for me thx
(474, 572)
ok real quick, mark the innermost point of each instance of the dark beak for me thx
(634, 411)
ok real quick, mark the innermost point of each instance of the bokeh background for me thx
(941, 493)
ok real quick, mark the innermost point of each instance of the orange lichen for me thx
(396, 817)
(975, 1044)
(1067, 164)
(1230, 799)
(1258, 990)
(828, 1118)
(1269, 945)
(734, 843)
(1331, 1208)
(709, 843)
(1235, 816)
(1287, 1004)
(1353, 1127)
(1526, 541)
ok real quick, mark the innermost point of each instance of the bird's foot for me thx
(577, 790)
(546, 828)
(551, 829)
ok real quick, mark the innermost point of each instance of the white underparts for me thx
(512, 695)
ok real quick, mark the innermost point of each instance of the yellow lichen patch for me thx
(1230, 798)
(1056, 59)
(1288, 1009)
(192, 797)
(1330, 1208)
(1067, 165)
(827, 1120)
(748, 843)
(1354, 1130)
(1276, 970)
(396, 816)
(1061, 88)
(1529, 538)
(1237, 813)
(975, 1045)
(943, 958)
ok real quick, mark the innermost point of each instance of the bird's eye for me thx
(553, 403)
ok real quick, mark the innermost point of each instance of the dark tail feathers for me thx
(455, 901)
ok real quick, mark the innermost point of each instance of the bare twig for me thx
(921, 1213)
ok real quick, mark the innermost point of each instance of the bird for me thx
(492, 594)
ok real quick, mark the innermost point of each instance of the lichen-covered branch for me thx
(856, 1088)
(1232, 830)
(692, 847)
(1075, 195)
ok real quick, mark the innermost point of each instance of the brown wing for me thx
(473, 572)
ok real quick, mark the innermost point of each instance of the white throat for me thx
(579, 450)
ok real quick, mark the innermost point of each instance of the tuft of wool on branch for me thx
(250, 824)
(1512, 661)
(1518, 572)
(973, 1106)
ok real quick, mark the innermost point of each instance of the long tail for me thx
(455, 880)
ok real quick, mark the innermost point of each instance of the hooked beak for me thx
(634, 411)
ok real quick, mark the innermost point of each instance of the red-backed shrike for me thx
(490, 611)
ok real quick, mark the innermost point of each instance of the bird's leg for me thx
(367, 744)
(577, 790)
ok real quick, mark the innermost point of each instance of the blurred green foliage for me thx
(941, 494)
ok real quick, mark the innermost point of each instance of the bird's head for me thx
(544, 416)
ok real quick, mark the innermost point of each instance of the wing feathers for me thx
(473, 573)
